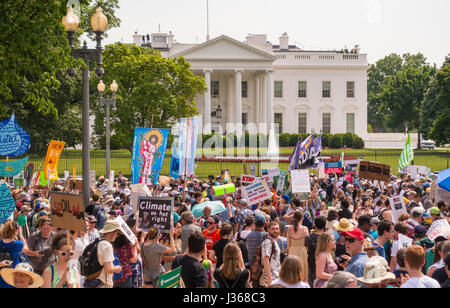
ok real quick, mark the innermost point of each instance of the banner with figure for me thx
(14, 140)
(12, 168)
(149, 149)
(188, 145)
(51, 160)
(309, 156)
(7, 203)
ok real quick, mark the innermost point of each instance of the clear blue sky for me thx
(380, 27)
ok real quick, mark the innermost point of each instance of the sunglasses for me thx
(64, 253)
(210, 223)
(351, 240)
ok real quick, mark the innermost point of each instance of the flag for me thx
(293, 158)
(407, 155)
(309, 156)
(175, 162)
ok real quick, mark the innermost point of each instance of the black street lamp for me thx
(98, 23)
(107, 102)
(217, 113)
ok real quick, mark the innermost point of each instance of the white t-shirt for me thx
(105, 254)
(423, 282)
(298, 285)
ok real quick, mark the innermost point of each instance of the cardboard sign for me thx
(78, 186)
(374, 171)
(224, 189)
(170, 280)
(333, 167)
(126, 230)
(300, 181)
(247, 179)
(439, 228)
(398, 207)
(256, 192)
(67, 211)
(155, 212)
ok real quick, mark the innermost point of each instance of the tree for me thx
(34, 58)
(151, 88)
(440, 131)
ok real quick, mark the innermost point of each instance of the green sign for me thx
(170, 280)
(224, 189)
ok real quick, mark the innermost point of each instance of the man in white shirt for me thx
(270, 254)
(105, 253)
(414, 261)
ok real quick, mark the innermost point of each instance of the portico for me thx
(239, 80)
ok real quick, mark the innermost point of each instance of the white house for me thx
(258, 82)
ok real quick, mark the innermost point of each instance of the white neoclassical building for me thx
(258, 82)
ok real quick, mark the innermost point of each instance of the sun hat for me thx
(110, 226)
(376, 270)
(24, 268)
(343, 225)
(109, 199)
(435, 211)
(354, 233)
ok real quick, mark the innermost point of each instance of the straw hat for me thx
(110, 226)
(343, 225)
(110, 199)
(24, 268)
(376, 270)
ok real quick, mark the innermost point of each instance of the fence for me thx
(436, 160)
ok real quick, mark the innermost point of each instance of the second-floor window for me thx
(302, 89)
(278, 91)
(326, 89)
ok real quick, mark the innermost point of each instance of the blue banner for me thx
(12, 168)
(188, 145)
(149, 149)
(7, 204)
(175, 162)
(14, 140)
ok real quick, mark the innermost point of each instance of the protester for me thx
(376, 273)
(226, 233)
(296, 241)
(291, 274)
(340, 280)
(441, 274)
(311, 244)
(212, 233)
(256, 237)
(169, 257)
(414, 261)
(187, 229)
(232, 273)
(354, 242)
(446, 284)
(22, 276)
(325, 266)
(127, 254)
(271, 256)
(39, 246)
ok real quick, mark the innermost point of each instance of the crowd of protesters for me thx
(340, 235)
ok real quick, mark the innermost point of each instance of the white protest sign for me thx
(398, 207)
(322, 174)
(404, 241)
(273, 172)
(247, 179)
(142, 187)
(134, 197)
(92, 181)
(439, 227)
(66, 175)
(256, 192)
(126, 230)
(300, 181)
(111, 179)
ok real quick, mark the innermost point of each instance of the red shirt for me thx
(211, 238)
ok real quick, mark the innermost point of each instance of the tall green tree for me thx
(151, 88)
(440, 131)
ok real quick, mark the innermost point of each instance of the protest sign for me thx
(247, 179)
(404, 241)
(256, 192)
(66, 175)
(252, 169)
(134, 199)
(126, 230)
(92, 180)
(187, 145)
(78, 187)
(164, 181)
(12, 168)
(333, 167)
(155, 212)
(226, 176)
(322, 174)
(51, 159)
(111, 179)
(374, 171)
(14, 140)
(280, 182)
(439, 227)
(149, 150)
(67, 211)
(29, 174)
(170, 280)
(398, 207)
(416, 172)
(224, 189)
(7, 203)
(300, 181)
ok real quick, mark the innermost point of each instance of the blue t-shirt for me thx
(357, 263)
(224, 215)
(380, 250)
(14, 249)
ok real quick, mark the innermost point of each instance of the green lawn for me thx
(121, 160)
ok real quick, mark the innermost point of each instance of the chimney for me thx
(137, 39)
(284, 41)
(170, 40)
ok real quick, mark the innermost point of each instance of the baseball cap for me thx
(420, 231)
(435, 211)
(418, 210)
(354, 233)
(261, 218)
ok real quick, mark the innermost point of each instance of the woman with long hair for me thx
(296, 241)
(232, 273)
(169, 257)
(62, 274)
(291, 274)
(152, 252)
(325, 266)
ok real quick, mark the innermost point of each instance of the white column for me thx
(207, 108)
(257, 98)
(229, 108)
(269, 99)
(262, 101)
(238, 102)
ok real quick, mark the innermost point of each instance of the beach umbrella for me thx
(443, 180)
(216, 208)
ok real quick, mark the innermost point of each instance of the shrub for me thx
(326, 140)
(284, 140)
(348, 140)
(358, 142)
(336, 141)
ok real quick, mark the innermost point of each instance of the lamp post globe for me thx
(101, 86)
(99, 21)
(70, 21)
(114, 87)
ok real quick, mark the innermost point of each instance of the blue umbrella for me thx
(216, 208)
(443, 180)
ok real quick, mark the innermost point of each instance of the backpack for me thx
(242, 245)
(89, 265)
(256, 267)
(4, 254)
